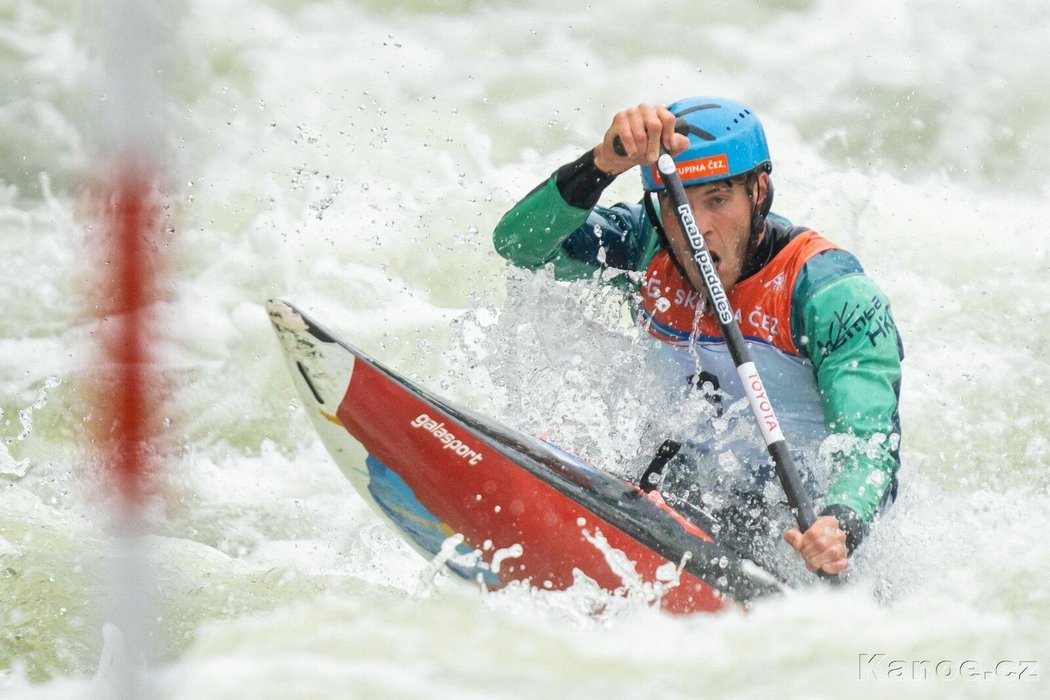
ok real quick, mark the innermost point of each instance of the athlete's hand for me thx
(823, 545)
(641, 130)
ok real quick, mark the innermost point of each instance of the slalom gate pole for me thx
(127, 408)
(129, 267)
(126, 340)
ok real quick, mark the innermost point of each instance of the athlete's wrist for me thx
(582, 182)
(849, 522)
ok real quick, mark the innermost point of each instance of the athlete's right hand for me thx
(641, 130)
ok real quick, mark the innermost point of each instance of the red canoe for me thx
(495, 504)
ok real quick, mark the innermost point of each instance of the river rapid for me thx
(353, 157)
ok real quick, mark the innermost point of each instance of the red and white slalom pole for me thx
(126, 339)
(127, 408)
(128, 268)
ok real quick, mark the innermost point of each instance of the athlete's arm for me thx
(846, 328)
(559, 223)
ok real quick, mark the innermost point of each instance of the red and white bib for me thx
(762, 302)
(673, 313)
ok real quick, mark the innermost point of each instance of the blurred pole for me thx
(128, 268)
(127, 409)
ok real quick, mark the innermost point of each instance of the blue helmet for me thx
(725, 140)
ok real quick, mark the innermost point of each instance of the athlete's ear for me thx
(764, 185)
(765, 192)
(763, 200)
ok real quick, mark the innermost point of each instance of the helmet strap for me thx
(759, 211)
(654, 216)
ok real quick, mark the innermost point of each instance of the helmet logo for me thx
(709, 166)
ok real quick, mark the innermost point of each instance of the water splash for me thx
(25, 416)
(635, 588)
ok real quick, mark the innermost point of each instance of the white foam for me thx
(354, 157)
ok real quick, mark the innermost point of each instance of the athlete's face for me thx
(723, 214)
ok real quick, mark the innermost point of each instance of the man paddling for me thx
(821, 332)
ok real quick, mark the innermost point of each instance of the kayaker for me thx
(820, 330)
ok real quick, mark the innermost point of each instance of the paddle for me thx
(761, 406)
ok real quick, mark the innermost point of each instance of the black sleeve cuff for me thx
(849, 522)
(581, 182)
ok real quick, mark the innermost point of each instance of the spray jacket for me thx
(820, 330)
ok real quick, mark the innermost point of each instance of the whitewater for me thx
(353, 157)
